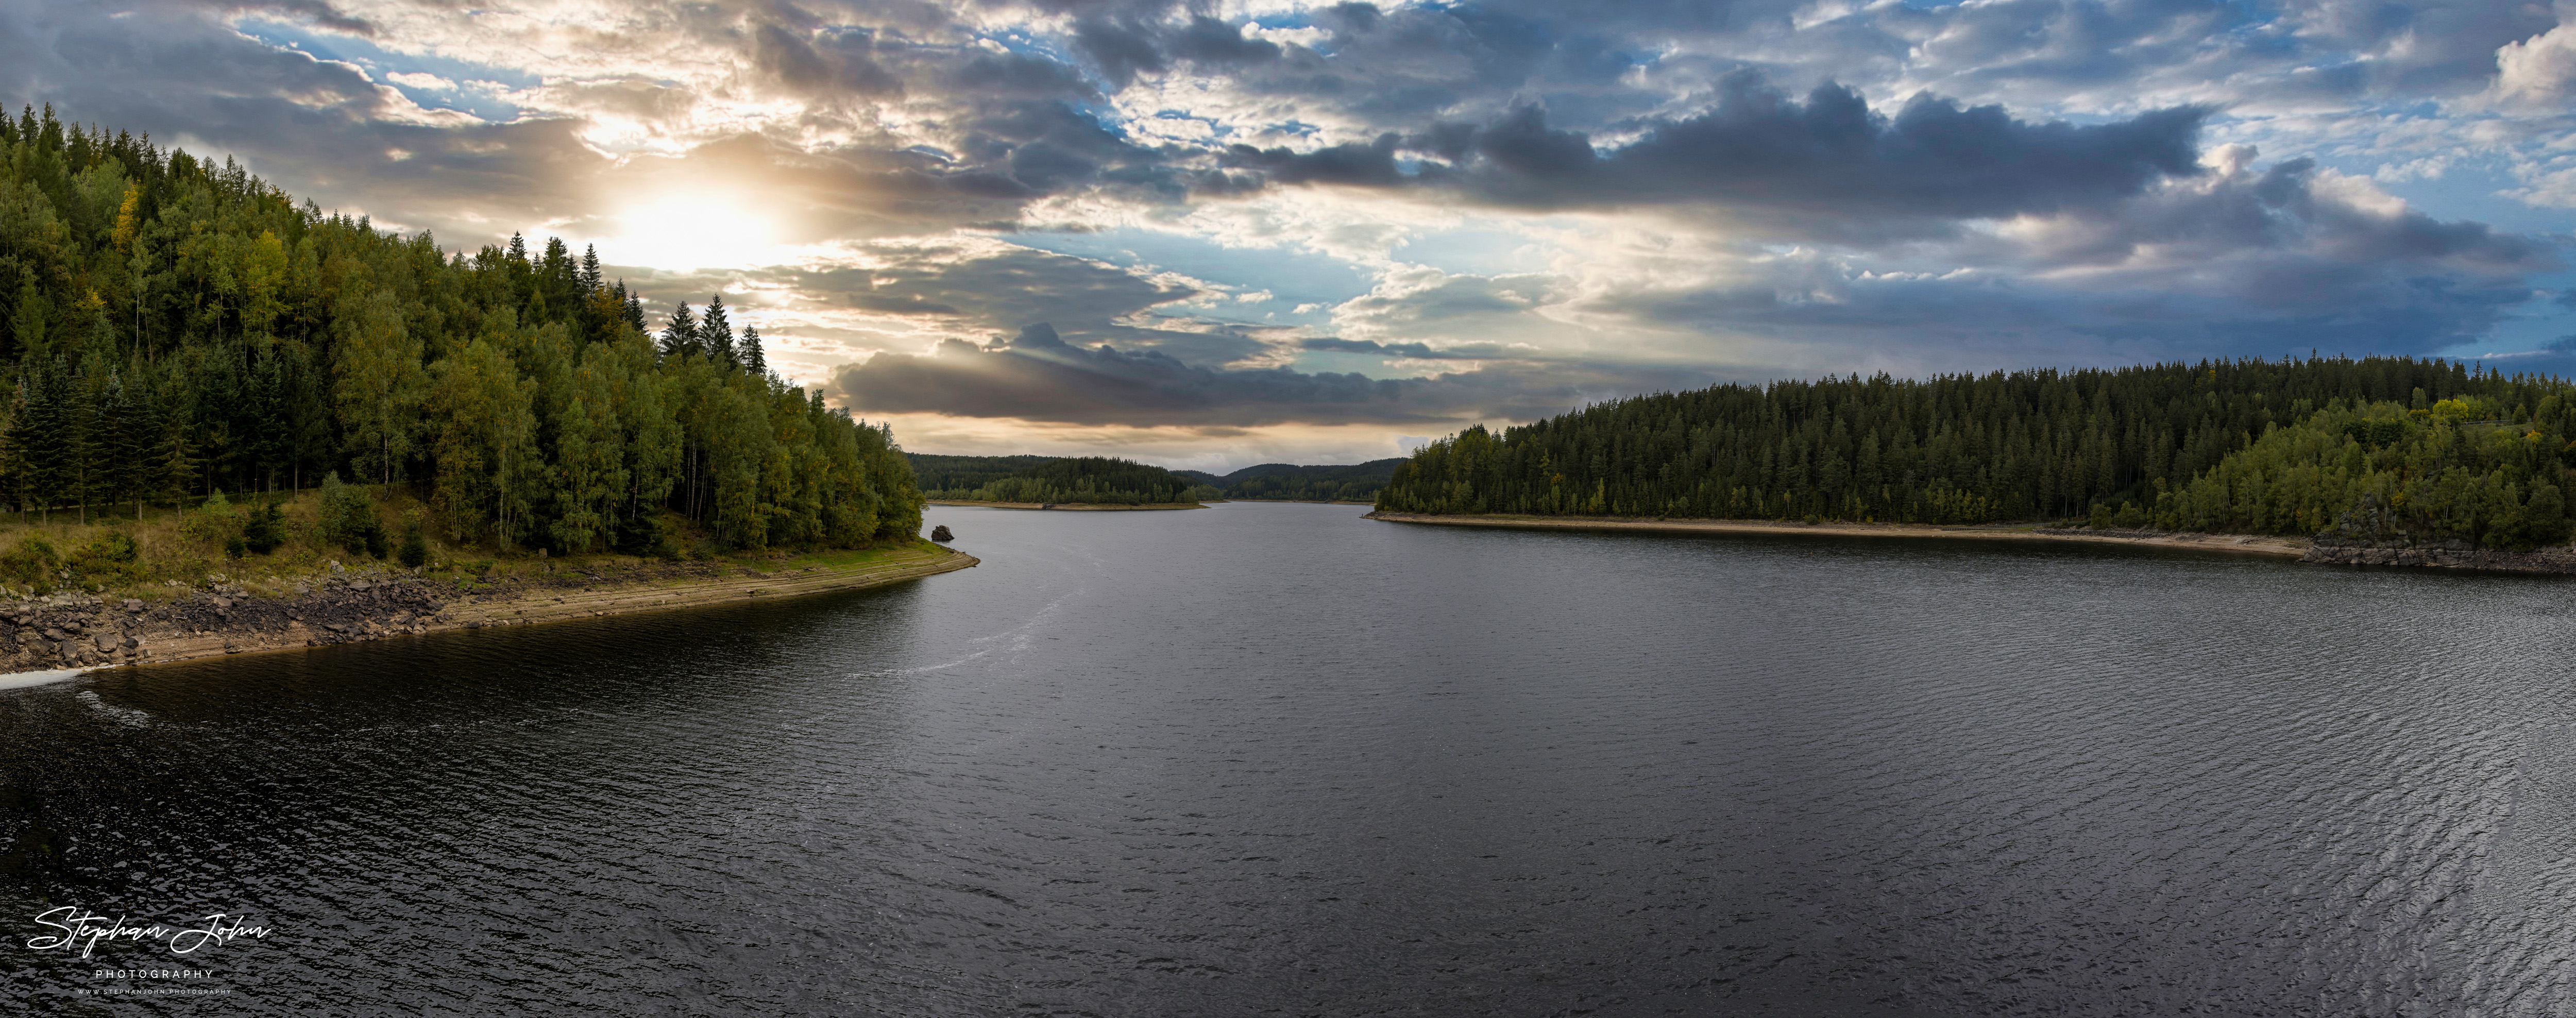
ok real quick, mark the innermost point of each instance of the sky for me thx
(1215, 234)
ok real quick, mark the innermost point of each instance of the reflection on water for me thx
(1276, 757)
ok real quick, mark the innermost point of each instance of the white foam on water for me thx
(14, 680)
(123, 715)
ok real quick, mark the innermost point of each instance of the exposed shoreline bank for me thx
(2286, 547)
(1080, 507)
(91, 632)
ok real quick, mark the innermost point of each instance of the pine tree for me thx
(590, 268)
(634, 307)
(680, 337)
(138, 430)
(715, 332)
(41, 435)
(753, 359)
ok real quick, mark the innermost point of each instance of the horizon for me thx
(1322, 234)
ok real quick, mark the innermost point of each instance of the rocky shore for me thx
(2558, 561)
(77, 631)
(2231, 543)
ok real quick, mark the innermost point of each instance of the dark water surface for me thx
(1277, 759)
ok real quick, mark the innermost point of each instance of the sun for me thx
(680, 232)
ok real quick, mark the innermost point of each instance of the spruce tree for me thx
(138, 431)
(680, 337)
(753, 359)
(42, 435)
(715, 332)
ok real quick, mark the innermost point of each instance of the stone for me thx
(106, 643)
(336, 627)
(53, 634)
(133, 643)
(940, 533)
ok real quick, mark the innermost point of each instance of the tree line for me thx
(177, 328)
(2148, 441)
(1088, 480)
(1284, 482)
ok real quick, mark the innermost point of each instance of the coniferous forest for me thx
(1087, 480)
(176, 328)
(1285, 482)
(2380, 450)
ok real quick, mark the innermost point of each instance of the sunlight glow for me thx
(683, 232)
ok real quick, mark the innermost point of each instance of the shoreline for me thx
(91, 633)
(1079, 507)
(2244, 544)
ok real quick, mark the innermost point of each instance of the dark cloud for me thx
(1416, 351)
(832, 61)
(313, 12)
(1039, 377)
(2246, 262)
(1830, 157)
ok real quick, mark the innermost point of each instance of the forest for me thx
(1089, 480)
(1283, 482)
(175, 329)
(2382, 450)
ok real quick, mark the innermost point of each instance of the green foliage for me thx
(2445, 482)
(1088, 480)
(172, 326)
(967, 473)
(214, 520)
(1283, 482)
(110, 559)
(2042, 444)
(265, 530)
(31, 563)
(414, 551)
(346, 516)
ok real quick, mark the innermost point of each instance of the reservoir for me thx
(1279, 759)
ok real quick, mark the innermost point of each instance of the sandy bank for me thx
(1087, 507)
(78, 631)
(2291, 547)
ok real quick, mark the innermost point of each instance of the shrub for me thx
(265, 531)
(111, 559)
(31, 563)
(348, 518)
(415, 546)
(647, 535)
(216, 520)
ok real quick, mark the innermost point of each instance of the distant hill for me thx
(1286, 482)
(941, 477)
(1091, 480)
(949, 473)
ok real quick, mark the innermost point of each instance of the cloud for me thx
(2538, 73)
(1039, 377)
(1768, 157)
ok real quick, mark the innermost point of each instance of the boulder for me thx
(106, 643)
(940, 533)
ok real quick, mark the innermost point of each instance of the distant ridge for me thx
(1265, 482)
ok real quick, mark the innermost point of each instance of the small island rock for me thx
(940, 533)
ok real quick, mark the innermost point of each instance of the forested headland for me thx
(2390, 451)
(1087, 480)
(177, 332)
(1285, 482)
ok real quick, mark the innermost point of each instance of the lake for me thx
(1279, 759)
